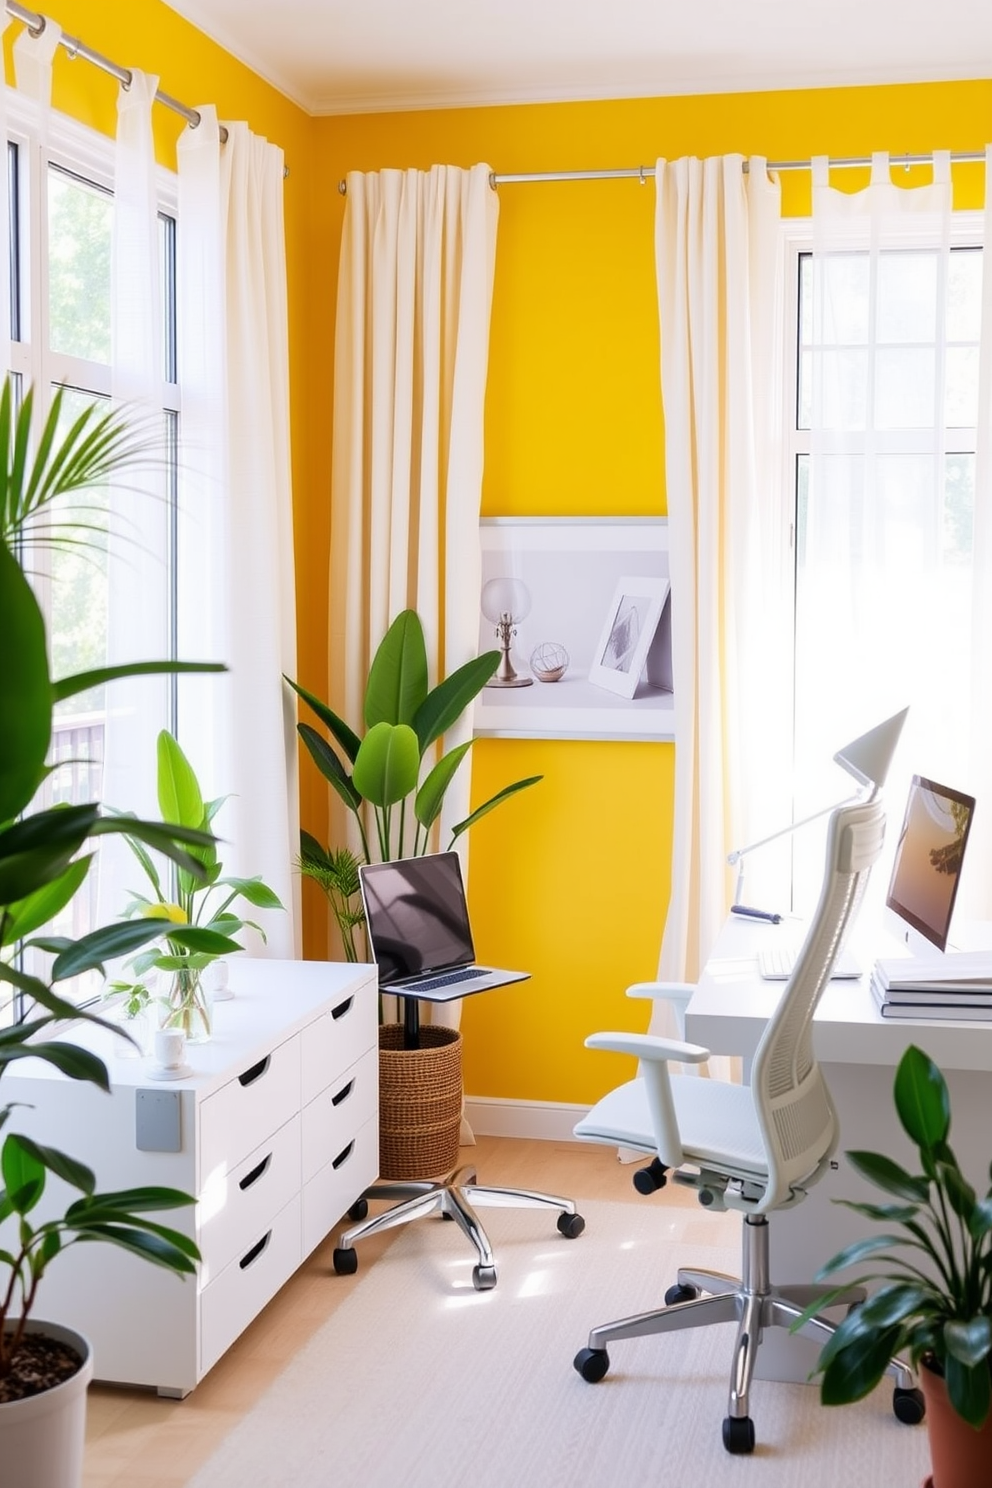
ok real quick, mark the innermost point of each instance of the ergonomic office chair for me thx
(754, 1148)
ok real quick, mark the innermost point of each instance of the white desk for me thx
(858, 1050)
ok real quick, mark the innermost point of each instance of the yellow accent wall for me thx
(570, 880)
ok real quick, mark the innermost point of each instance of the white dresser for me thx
(276, 1131)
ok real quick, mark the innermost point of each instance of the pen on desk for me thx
(756, 914)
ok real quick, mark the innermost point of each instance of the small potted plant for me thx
(202, 909)
(935, 1297)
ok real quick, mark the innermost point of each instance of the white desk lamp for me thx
(868, 758)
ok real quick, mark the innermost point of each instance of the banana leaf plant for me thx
(384, 777)
(45, 856)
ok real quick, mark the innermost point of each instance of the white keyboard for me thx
(775, 963)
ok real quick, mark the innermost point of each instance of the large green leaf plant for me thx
(385, 777)
(45, 856)
(935, 1300)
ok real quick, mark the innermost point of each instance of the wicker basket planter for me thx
(420, 1102)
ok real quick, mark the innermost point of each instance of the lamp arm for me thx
(733, 858)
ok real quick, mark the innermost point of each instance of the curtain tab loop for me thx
(820, 170)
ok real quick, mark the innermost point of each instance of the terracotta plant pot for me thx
(960, 1455)
(42, 1437)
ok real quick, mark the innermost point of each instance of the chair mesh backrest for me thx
(790, 1095)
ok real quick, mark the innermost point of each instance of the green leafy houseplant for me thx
(43, 862)
(936, 1300)
(378, 775)
(203, 907)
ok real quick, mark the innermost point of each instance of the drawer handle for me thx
(255, 1252)
(255, 1174)
(343, 1094)
(342, 1008)
(343, 1156)
(256, 1072)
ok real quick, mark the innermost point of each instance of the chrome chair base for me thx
(754, 1304)
(453, 1197)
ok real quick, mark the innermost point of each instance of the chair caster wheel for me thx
(483, 1278)
(571, 1225)
(345, 1261)
(909, 1406)
(359, 1209)
(592, 1364)
(676, 1294)
(648, 1180)
(738, 1434)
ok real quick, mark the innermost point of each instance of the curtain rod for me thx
(643, 172)
(76, 48)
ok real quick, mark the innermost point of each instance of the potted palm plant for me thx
(934, 1263)
(204, 900)
(395, 795)
(44, 1368)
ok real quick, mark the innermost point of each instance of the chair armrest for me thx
(649, 1047)
(671, 991)
(654, 1054)
(677, 993)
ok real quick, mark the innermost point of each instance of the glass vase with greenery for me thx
(200, 915)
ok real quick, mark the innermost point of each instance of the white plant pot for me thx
(42, 1438)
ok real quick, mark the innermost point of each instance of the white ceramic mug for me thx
(170, 1048)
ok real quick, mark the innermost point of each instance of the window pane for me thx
(79, 227)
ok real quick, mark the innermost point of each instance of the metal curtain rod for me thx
(36, 24)
(643, 172)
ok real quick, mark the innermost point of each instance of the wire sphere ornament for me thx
(549, 661)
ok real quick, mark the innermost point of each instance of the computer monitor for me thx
(927, 866)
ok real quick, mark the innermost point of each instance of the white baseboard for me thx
(545, 1121)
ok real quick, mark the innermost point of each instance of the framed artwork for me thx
(581, 610)
(631, 622)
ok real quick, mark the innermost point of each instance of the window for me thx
(61, 216)
(884, 407)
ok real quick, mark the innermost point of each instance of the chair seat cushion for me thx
(717, 1123)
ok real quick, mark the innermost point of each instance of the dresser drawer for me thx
(332, 1191)
(243, 1113)
(242, 1289)
(338, 1112)
(336, 1039)
(235, 1207)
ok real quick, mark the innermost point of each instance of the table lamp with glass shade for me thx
(505, 602)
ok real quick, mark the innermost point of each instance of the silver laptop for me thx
(419, 930)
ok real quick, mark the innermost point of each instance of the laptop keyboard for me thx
(447, 980)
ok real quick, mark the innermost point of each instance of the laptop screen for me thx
(417, 916)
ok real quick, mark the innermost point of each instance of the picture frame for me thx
(570, 569)
(625, 641)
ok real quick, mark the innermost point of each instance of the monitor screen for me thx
(928, 858)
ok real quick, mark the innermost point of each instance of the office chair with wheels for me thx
(755, 1148)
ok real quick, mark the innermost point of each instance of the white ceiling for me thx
(360, 56)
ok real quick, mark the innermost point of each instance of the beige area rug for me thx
(417, 1381)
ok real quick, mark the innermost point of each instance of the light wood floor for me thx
(136, 1440)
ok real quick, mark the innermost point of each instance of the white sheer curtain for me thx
(719, 286)
(236, 600)
(889, 581)
(138, 599)
(411, 354)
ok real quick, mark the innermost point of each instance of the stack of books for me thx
(954, 986)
